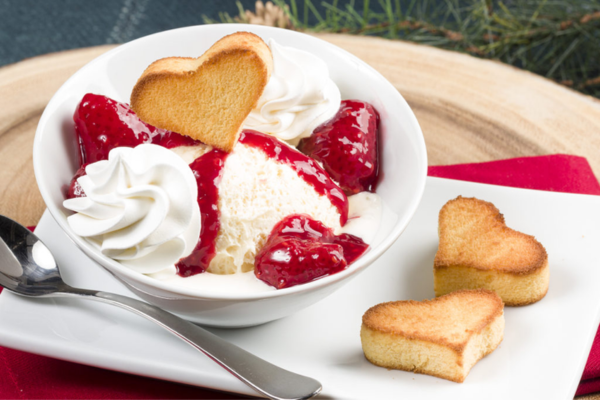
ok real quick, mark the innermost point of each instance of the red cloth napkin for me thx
(28, 376)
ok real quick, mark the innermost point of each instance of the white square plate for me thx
(542, 356)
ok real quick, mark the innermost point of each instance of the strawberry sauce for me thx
(207, 170)
(301, 249)
(307, 168)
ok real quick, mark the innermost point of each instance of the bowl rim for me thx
(118, 269)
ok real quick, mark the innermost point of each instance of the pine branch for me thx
(559, 39)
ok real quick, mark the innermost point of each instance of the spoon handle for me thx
(266, 378)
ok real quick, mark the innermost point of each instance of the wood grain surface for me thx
(470, 110)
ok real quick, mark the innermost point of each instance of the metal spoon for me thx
(28, 268)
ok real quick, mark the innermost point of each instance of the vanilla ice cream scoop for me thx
(299, 96)
(255, 193)
(140, 209)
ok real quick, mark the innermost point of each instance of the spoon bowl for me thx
(27, 267)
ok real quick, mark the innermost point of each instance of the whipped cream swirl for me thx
(299, 96)
(141, 207)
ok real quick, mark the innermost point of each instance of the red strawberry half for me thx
(301, 249)
(101, 124)
(347, 146)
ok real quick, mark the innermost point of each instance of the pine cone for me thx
(267, 14)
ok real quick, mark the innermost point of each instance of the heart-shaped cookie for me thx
(478, 250)
(443, 337)
(207, 98)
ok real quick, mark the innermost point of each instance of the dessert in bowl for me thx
(238, 298)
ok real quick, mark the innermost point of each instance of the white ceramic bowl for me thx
(404, 164)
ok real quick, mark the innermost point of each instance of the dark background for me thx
(32, 27)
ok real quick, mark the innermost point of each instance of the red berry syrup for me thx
(208, 170)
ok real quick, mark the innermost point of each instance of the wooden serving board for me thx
(469, 109)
